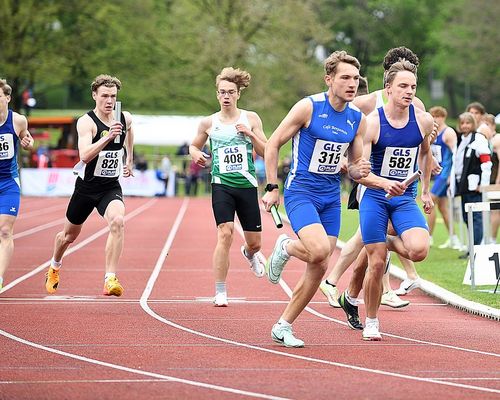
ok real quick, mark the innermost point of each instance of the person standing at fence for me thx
(13, 131)
(472, 170)
(234, 134)
(489, 119)
(102, 141)
(442, 149)
(322, 128)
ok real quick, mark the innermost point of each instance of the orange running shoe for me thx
(51, 280)
(112, 287)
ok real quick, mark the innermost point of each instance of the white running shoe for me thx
(220, 299)
(371, 332)
(331, 292)
(407, 286)
(277, 261)
(391, 299)
(284, 335)
(257, 262)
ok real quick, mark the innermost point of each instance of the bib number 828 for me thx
(109, 164)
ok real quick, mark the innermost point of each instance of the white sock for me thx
(352, 300)
(55, 264)
(371, 321)
(1, 281)
(220, 287)
(109, 275)
(284, 323)
(283, 247)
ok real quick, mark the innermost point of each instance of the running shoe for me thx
(51, 280)
(277, 261)
(220, 299)
(331, 292)
(257, 262)
(351, 312)
(407, 286)
(112, 287)
(284, 335)
(391, 299)
(371, 332)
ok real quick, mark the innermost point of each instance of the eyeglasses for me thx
(229, 92)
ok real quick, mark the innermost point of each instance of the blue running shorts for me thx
(10, 196)
(440, 187)
(375, 211)
(306, 208)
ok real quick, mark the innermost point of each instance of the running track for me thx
(163, 339)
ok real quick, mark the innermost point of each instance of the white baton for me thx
(117, 115)
(412, 178)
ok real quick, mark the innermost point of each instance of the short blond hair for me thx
(237, 76)
(438, 111)
(5, 87)
(467, 117)
(105, 80)
(334, 59)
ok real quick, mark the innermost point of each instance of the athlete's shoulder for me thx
(424, 117)
(365, 103)
(317, 97)
(419, 104)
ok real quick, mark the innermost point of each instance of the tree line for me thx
(168, 52)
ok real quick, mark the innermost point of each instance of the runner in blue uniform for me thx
(322, 127)
(396, 138)
(13, 130)
(102, 142)
(442, 149)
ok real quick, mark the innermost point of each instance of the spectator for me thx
(165, 169)
(183, 152)
(192, 179)
(260, 171)
(140, 163)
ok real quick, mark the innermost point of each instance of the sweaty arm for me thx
(129, 145)
(21, 127)
(256, 133)
(87, 129)
(199, 141)
(297, 117)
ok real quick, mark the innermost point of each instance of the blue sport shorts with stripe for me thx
(10, 196)
(375, 211)
(306, 208)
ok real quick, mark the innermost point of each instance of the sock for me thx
(329, 283)
(371, 321)
(284, 323)
(352, 300)
(283, 247)
(246, 254)
(1, 281)
(55, 264)
(220, 287)
(109, 275)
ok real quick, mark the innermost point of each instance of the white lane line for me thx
(72, 249)
(42, 211)
(288, 291)
(39, 228)
(133, 370)
(154, 276)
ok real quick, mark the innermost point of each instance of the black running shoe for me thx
(351, 312)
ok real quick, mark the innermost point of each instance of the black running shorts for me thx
(227, 200)
(82, 202)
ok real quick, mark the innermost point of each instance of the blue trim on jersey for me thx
(327, 124)
(8, 167)
(405, 138)
(446, 155)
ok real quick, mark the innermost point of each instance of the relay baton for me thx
(412, 178)
(276, 217)
(117, 115)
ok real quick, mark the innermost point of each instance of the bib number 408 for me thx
(233, 158)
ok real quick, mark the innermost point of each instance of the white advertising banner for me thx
(61, 182)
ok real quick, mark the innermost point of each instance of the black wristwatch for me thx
(271, 186)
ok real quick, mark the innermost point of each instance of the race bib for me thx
(109, 164)
(436, 152)
(398, 162)
(6, 146)
(233, 159)
(326, 157)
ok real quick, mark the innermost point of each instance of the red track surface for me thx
(163, 339)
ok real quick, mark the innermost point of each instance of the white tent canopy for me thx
(162, 130)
